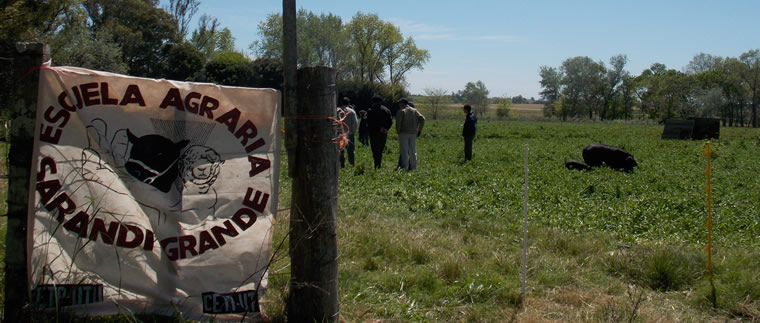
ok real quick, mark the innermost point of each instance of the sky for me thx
(503, 43)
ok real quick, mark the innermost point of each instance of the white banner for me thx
(152, 196)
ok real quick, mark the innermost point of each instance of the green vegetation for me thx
(711, 86)
(444, 243)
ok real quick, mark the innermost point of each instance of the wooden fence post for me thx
(28, 60)
(314, 202)
(290, 78)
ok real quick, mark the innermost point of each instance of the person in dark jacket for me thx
(468, 131)
(379, 120)
(363, 129)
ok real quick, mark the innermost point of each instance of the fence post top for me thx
(23, 47)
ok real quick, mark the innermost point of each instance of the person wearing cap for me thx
(409, 124)
(348, 116)
(379, 120)
(468, 130)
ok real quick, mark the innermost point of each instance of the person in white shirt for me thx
(348, 116)
(409, 123)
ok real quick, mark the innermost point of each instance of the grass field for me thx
(443, 243)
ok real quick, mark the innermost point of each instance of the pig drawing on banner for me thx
(181, 170)
(154, 196)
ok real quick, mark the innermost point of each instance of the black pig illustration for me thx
(153, 160)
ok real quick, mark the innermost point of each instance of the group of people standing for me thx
(378, 119)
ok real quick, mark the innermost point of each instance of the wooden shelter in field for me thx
(693, 128)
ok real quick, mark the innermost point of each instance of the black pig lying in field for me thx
(595, 155)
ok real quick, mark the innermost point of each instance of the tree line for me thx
(370, 55)
(139, 38)
(709, 86)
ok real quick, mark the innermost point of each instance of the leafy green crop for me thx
(444, 242)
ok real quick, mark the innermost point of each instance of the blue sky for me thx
(503, 43)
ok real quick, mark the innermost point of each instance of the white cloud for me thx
(422, 31)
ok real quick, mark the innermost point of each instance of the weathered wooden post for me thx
(314, 202)
(289, 70)
(28, 60)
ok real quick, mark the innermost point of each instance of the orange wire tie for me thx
(341, 140)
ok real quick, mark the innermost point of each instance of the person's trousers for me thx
(377, 143)
(350, 148)
(468, 147)
(407, 143)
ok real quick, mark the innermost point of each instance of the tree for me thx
(581, 83)
(210, 40)
(365, 50)
(231, 68)
(519, 99)
(321, 39)
(33, 20)
(551, 84)
(77, 46)
(476, 94)
(505, 105)
(182, 12)
(664, 93)
(270, 33)
(139, 28)
(403, 57)
(370, 38)
(436, 97)
(183, 62)
(627, 91)
(267, 73)
(750, 73)
(735, 90)
(610, 90)
(703, 63)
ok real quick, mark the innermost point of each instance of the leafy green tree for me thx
(364, 50)
(361, 93)
(141, 29)
(183, 62)
(551, 88)
(581, 84)
(664, 93)
(519, 99)
(735, 91)
(702, 62)
(270, 37)
(78, 46)
(22, 20)
(370, 39)
(750, 73)
(476, 94)
(403, 57)
(321, 39)
(610, 87)
(211, 40)
(505, 105)
(627, 92)
(267, 73)
(231, 68)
